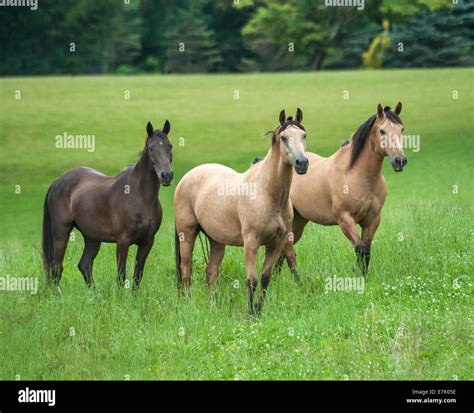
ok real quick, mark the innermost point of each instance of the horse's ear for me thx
(398, 109)
(149, 129)
(166, 127)
(282, 117)
(380, 113)
(299, 115)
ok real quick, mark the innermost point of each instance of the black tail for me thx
(204, 245)
(177, 254)
(47, 236)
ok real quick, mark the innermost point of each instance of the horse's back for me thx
(201, 198)
(80, 192)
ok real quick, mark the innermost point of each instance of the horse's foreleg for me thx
(289, 253)
(215, 258)
(142, 254)
(91, 249)
(349, 228)
(271, 256)
(368, 233)
(250, 256)
(122, 253)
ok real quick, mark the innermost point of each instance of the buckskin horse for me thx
(348, 188)
(211, 198)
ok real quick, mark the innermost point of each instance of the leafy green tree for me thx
(320, 33)
(315, 30)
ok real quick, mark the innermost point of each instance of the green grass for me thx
(414, 320)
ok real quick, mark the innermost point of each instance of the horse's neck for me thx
(275, 177)
(370, 162)
(144, 180)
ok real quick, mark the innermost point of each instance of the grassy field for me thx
(414, 319)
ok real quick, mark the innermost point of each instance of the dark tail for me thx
(47, 236)
(177, 254)
(204, 245)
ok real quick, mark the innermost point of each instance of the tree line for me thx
(187, 36)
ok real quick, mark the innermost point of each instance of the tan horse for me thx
(247, 209)
(348, 189)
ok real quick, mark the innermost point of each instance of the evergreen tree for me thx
(191, 45)
(443, 38)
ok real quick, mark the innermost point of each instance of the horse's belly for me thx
(315, 207)
(221, 226)
(96, 228)
(92, 214)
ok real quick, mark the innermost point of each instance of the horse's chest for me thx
(276, 227)
(366, 208)
(143, 224)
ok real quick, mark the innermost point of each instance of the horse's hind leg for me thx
(91, 249)
(215, 258)
(187, 237)
(142, 254)
(60, 240)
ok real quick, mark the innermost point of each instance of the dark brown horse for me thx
(123, 209)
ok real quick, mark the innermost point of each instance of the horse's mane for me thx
(360, 137)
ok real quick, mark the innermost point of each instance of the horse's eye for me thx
(284, 138)
(304, 136)
(403, 129)
(382, 132)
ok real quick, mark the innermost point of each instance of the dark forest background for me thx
(183, 36)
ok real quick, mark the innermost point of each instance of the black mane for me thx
(360, 137)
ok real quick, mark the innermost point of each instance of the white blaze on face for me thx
(293, 139)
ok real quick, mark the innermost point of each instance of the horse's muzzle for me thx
(301, 165)
(166, 177)
(399, 162)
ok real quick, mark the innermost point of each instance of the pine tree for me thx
(443, 38)
(191, 46)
